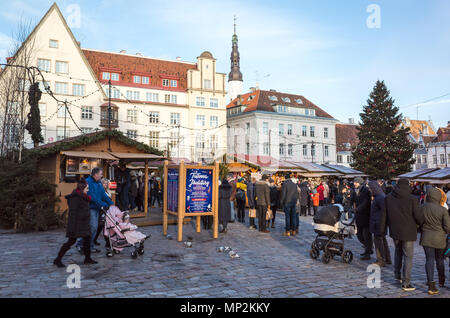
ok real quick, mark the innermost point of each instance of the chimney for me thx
(273, 90)
(252, 89)
(139, 54)
(178, 58)
(123, 52)
(351, 121)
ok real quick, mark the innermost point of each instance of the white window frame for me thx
(66, 67)
(76, 89)
(43, 109)
(87, 112)
(47, 64)
(62, 84)
(200, 101)
(175, 118)
(52, 46)
(214, 103)
(214, 121)
(153, 117)
(200, 121)
(132, 116)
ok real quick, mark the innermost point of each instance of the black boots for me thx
(432, 290)
(89, 261)
(58, 263)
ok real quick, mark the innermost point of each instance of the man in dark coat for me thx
(403, 218)
(78, 223)
(377, 224)
(225, 190)
(251, 200)
(305, 195)
(289, 197)
(362, 216)
(274, 200)
(262, 192)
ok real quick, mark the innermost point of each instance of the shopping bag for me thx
(252, 213)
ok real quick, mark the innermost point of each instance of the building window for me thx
(281, 129)
(289, 130)
(200, 101)
(173, 83)
(214, 121)
(23, 85)
(153, 117)
(327, 152)
(106, 76)
(424, 158)
(132, 134)
(60, 131)
(312, 131)
(442, 156)
(145, 80)
(265, 128)
(282, 151)
(86, 112)
(304, 131)
(43, 109)
(53, 44)
(78, 90)
(167, 99)
(266, 148)
(61, 88)
(44, 65)
(200, 120)
(137, 79)
(247, 128)
(115, 93)
(129, 95)
(154, 139)
(43, 86)
(44, 132)
(434, 159)
(136, 96)
(132, 116)
(200, 141)
(174, 118)
(62, 67)
(290, 150)
(349, 159)
(214, 103)
(213, 142)
(339, 158)
(207, 84)
(247, 148)
(165, 82)
(305, 150)
(152, 97)
(115, 77)
(174, 139)
(325, 132)
(173, 99)
(86, 130)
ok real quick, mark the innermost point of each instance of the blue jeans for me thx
(93, 224)
(434, 255)
(404, 251)
(290, 216)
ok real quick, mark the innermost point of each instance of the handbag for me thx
(269, 215)
(252, 213)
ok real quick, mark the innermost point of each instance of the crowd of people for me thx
(379, 207)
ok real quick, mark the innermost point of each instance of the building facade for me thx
(176, 106)
(438, 150)
(284, 126)
(346, 142)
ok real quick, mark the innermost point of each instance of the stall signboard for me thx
(173, 176)
(199, 188)
(81, 165)
(112, 185)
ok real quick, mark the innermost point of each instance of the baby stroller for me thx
(332, 226)
(120, 233)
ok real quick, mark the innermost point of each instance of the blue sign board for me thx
(172, 189)
(199, 188)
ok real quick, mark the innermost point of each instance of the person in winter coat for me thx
(315, 200)
(262, 192)
(289, 197)
(134, 189)
(101, 223)
(232, 182)
(403, 218)
(305, 194)
(362, 217)
(320, 189)
(99, 200)
(377, 224)
(274, 200)
(326, 193)
(124, 186)
(241, 195)
(251, 201)
(435, 228)
(78, 223)
(225, 190)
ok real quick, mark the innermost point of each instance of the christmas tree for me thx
(384, 151)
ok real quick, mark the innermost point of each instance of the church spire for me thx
(235, 73)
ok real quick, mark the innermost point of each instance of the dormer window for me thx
(165, 82)
(273, 98)
(137, 79)
(299, 101)
(251, 97)
(286, 99)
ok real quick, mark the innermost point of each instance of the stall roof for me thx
(344, 170)
(433, 181)
(135, 156)
(89, 154)
(417, 173)
(439, 174)
(316, 168)
(238, 169)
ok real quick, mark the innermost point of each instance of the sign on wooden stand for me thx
(191, 191)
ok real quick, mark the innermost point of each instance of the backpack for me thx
(240, 195)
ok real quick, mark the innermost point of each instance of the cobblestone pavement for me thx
(270, 265)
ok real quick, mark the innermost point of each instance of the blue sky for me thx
(321, 49)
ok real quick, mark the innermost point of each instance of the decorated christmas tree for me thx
(384, 151)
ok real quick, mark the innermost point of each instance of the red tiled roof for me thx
(443, 134)
(262, 102)
(346, 134)
(416, 127)
(128, 65)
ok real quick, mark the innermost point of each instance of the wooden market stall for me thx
(437, 177)
(347, 173)
(66, 161)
